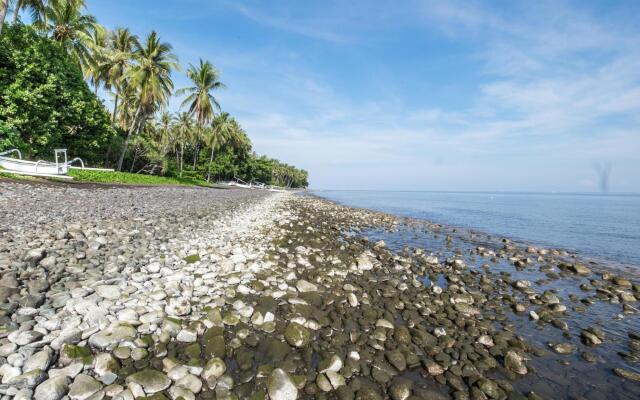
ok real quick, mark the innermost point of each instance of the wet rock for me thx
(589, 338)
(515, 363)
(150, 380)
(563, 348)
(623, 373)
(297, 335)
(280, 386)
(580, 269)
(400, 389)
(397, 359)
(333, 363)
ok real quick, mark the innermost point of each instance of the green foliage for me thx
(9, 138)
(132, 179)
(45, 102)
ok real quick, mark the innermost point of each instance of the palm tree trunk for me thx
(4, 4)
(195, 155)
(134, 124)
(210, 162)
(115, 109)
(181, 158)
(135, 155)
(16, 11)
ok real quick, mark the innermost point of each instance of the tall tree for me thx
(200, 100)
(183, 125)
(150, 76)
(95, 70)
(4, 5)
(216, 135)
(117, 59)
(72, 28)
(36, 7)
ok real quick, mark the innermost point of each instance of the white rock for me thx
(52, 389)
(110, 292)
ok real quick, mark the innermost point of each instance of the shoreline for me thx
(494, 239)
(234, 294)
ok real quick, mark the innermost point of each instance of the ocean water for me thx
(603, 227)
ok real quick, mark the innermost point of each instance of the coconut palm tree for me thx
(37, 8)
(72, 28)
(150, 76)
(183, 125)
(200, 101)
(117, 59)
(95, 71)
(217, 134)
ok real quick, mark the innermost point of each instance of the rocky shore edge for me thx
(273, 297)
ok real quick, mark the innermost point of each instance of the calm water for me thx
(605, 227)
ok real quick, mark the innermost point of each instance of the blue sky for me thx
(425, 95)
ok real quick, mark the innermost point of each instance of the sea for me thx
(603, 230)
(603, 227)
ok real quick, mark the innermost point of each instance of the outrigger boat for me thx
(58, 169)
(237, 182)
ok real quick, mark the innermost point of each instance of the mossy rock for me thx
(193, 258)
(77, 353)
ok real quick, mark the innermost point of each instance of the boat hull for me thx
(32, 167)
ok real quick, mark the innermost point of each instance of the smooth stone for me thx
(297, 335)
(151, 380)
(280, 386)
(623, 373)
(305, 286)
(83, 387)
(109, 292)
(106, 368)
(40, 360)
(53, 388)
(514, 362)
(110, 337)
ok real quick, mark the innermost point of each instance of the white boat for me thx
(57, 169)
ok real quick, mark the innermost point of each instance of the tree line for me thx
(43, 104)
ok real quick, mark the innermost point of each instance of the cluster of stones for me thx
(278, 298)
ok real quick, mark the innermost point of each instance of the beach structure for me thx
(56, 169)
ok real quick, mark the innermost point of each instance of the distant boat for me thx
(57, 169)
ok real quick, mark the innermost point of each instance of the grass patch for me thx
(132, 179)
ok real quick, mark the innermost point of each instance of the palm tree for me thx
(150, 76)
(37, 8)
(200, 100)
(95, 70)
(183, 125)
(217, 135)
(118, 57)
(72, 28)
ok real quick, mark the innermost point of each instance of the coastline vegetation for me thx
(52, 70)
(80, 175)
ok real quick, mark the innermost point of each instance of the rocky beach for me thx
(184, 293)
